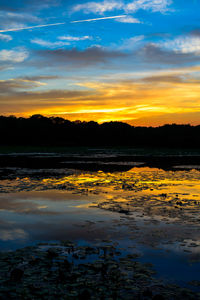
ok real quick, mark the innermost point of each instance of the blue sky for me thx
(136, 61)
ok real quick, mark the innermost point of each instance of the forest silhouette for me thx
(38, 130)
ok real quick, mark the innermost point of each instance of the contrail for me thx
(32, 27)
(97, 19)
(56, 24)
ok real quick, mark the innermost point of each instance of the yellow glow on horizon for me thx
(153, 100)
(91, 111)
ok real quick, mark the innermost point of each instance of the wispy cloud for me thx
(30, 27)
(184, 44)
(22, 17)
(63, 41)
(161, 53)
(5, 37)
(91, 111)
(132, 6)
(5, 67)
(14, 84)
(16, 56)
(74, 38)
(12, 19)
(98, 7)
(131, 43)
(76, 58)
(143, 100)
(15, 20)
(49, 44)
(98, 19)
(129, 19)
(152, 5)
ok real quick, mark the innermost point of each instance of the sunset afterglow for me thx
(133, 61)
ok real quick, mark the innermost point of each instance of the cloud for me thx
(76, 58)
(98, 7)
(195, 32)
(184, 44)
(30, 27)
(12, 85)
(130, 52)
(148, 98)
(21, 17)
(5, 37)
(28, 5)
(129, 19)
(98, 19)
(131, 43)
(64, 41)
(40, 77)
(152, 5)
(12, 99)
(24, 83)
(49, 44)
(171, 78)
(141, 75)
(40, 5)
(106, 6)
(8, 18)
(25, 16)
(3, 67)
(16, 56)
(155, 53)
(15, 20)
(74, 38)
(156, 97)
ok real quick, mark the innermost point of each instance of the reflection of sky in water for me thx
(68, 208)
(50, 216)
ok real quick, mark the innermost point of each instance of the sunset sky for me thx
(136, 61)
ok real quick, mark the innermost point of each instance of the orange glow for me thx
(150, 101)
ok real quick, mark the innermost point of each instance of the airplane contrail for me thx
(56, 24)
(31, 27)
(97, 19)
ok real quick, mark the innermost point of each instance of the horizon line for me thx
(99, 123)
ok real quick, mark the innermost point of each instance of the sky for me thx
(135, 61)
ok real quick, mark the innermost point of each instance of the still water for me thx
(149, 211)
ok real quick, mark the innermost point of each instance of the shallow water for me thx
(152, 212)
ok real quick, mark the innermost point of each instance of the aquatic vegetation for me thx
(171, 194)
(67, 271)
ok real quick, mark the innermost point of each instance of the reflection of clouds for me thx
(41, 203)
(12, 234)
(13, 205)
(48, 208)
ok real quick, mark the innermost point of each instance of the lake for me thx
(150, 211)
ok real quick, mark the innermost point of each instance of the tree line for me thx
(38, 130)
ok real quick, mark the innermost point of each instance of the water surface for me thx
(149, 211)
